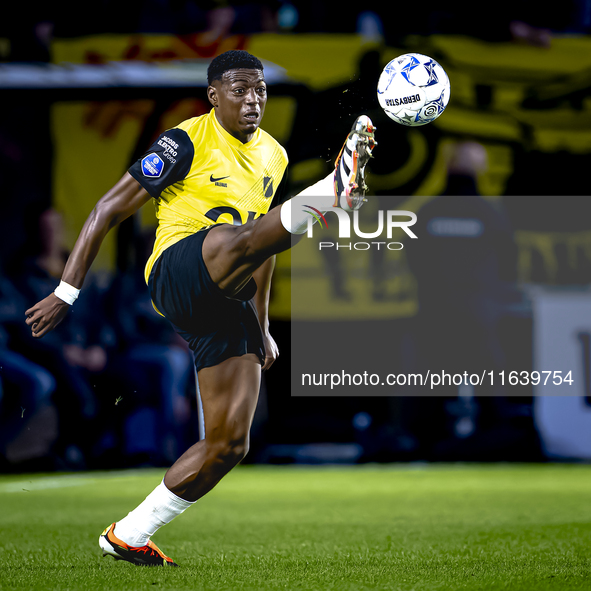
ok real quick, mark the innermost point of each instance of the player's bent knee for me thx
(235, 244)
(244, 244)
(253, 244)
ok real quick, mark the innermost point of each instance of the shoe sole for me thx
(357, 186)
(355, 191)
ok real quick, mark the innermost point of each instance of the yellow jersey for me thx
(200, 175)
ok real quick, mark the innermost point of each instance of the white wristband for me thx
(66, 292)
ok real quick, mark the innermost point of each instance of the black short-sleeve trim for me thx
(166, 162)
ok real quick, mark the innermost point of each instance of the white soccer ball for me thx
(413, 89)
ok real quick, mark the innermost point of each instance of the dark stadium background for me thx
(512, 151)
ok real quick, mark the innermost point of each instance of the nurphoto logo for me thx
(388, 220)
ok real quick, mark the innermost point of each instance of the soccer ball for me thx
(413, 89)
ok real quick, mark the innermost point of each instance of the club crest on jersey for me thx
(152, 165)
(268, 186)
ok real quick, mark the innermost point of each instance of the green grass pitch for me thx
(486, 527)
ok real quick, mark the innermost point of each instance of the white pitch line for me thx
(44, 484)
(66, 480)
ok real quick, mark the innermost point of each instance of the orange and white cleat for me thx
(148, 555)
(349, 174)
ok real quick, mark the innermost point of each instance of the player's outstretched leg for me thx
(233, 253)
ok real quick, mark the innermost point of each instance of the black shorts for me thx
(215, 326)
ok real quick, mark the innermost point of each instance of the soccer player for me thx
(212, 179)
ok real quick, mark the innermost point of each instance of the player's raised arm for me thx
(124, 199)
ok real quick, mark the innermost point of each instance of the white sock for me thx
(295, 213)
(159, 508)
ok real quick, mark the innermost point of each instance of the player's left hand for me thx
(271, 350)
(46, 315)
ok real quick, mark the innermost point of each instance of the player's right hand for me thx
(46, 315)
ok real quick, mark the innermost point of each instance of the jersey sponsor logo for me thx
(268, 186)
(170, 148)
(215, 213)
(152, 166)
(167, 140)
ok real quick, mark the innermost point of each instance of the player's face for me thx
(239, 100)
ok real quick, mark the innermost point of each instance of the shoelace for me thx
(142, 550)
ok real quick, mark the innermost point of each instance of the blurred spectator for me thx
(122, 375)
(180, 17)
(464, 263)
(30, 32)
(152, 367)
(25, 390)
(68, 353)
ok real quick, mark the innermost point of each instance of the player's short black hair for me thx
(231, 60)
